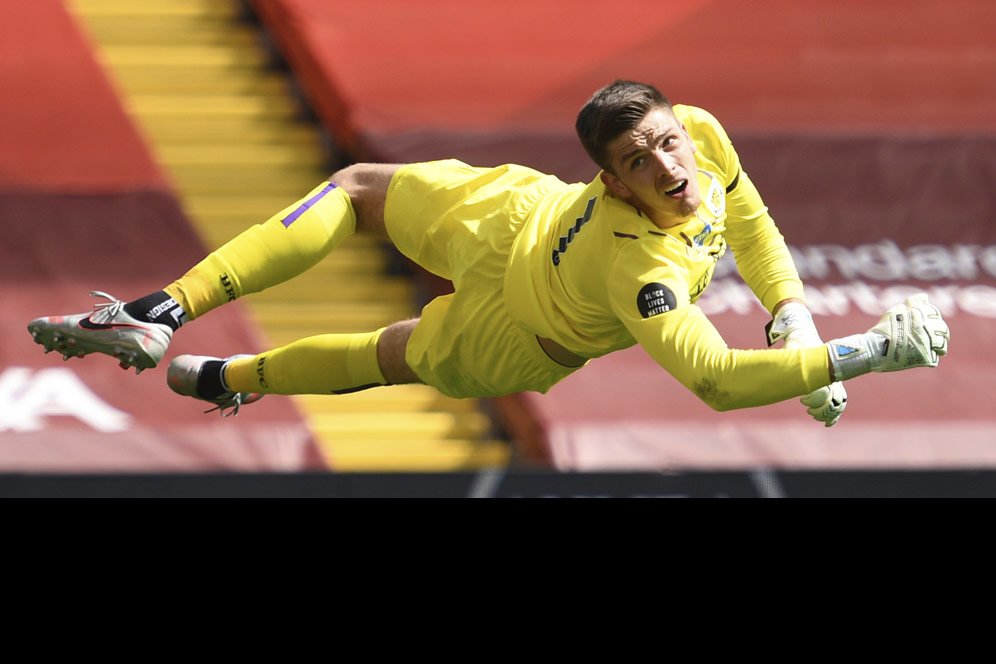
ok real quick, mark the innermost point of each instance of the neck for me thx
(658, 218)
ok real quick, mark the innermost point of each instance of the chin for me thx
(689, 206)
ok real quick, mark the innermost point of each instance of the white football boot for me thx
(109, 330)
(184, 372)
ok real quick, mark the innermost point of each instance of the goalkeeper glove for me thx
(794, 323)
(912, 334)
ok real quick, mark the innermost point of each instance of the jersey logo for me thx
(715, 198)
(655, 299)
(565, 240)
(700, 239)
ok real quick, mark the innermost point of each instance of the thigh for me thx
(466, 345)
(434, 209)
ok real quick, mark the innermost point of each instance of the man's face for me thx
(655, 169)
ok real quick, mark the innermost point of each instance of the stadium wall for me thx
(871, 140)
(83, 206)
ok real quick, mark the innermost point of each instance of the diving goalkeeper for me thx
(547, 276)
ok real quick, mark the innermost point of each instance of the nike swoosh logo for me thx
(88, 324)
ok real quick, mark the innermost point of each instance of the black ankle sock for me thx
(157, 307)
(209, 381)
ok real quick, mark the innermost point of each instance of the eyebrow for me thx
(630, 154)
(636, 150)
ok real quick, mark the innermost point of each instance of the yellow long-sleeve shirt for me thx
(591, 273)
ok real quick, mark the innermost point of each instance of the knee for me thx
(391, 348)
(366, 185)
(350, 178)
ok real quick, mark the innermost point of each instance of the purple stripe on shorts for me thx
(301, 209)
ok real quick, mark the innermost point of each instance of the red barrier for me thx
(83, 207)
(89, 415)
(870, 221)
(61, 125)
(871, 134)
(491, 82)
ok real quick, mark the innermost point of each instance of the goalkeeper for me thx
(547, 276)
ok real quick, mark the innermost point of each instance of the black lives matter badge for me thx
(655, 299)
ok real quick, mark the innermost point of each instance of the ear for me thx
(615, 185)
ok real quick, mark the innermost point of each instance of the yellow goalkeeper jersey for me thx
(591, 273)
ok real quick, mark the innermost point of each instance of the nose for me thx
(667, 161)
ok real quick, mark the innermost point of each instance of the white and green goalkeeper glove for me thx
(912, 334)
(794, 324)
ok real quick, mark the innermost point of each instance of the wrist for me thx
(793, 323)
(803, 338)
(855, 355)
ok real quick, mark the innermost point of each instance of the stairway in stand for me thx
(222, 121)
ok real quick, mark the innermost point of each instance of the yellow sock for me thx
(323, 364)
(267, 254)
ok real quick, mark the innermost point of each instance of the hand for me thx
(826, 404)
(794, 323)
(912, 334)
(916, 335)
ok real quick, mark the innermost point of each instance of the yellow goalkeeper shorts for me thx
(459, 222)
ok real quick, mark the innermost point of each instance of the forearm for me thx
(763, 258)
(690, 348)
(765, 263)
(793, 323)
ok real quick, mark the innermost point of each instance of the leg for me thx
(326, 364)
(138, 332)
(323, 364)
(441, 215)
(290, 242)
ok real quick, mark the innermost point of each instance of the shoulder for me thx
(643, 273)
(698, 119)
(643, 252)
(702, 126)
(714, 150)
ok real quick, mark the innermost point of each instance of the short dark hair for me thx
(612, 110)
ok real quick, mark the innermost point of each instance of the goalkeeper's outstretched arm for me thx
(689, 347)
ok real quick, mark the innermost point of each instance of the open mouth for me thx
(676, 188)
